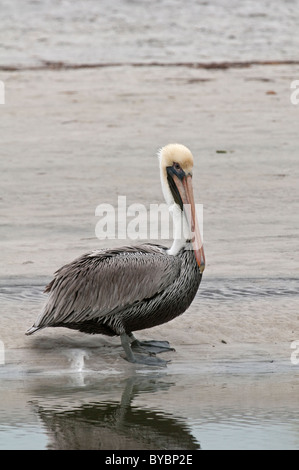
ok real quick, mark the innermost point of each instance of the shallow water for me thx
(98, 423)
(129, 31)
(63, 391)
(95, 410)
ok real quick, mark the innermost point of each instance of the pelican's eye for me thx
(177, 170)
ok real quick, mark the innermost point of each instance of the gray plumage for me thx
(120, 291)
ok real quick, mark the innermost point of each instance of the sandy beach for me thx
(76, 136)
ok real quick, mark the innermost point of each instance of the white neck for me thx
(181, 230)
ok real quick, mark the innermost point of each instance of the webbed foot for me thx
(147, 359)
(154, 347)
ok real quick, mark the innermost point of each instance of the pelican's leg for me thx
(154, 347)
(139, 358)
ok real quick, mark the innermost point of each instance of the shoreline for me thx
(226, 65)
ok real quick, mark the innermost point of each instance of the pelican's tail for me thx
(32, 330)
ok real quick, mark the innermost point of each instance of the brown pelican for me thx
(118, 291)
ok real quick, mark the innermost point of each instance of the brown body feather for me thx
(119, 291)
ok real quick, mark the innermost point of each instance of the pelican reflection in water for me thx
(119, 291)
(95, 423)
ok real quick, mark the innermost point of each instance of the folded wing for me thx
(100, 283)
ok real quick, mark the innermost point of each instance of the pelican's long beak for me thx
(185, 189)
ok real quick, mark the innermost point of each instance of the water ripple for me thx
(218, 289)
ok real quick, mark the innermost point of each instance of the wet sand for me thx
(72, 139)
